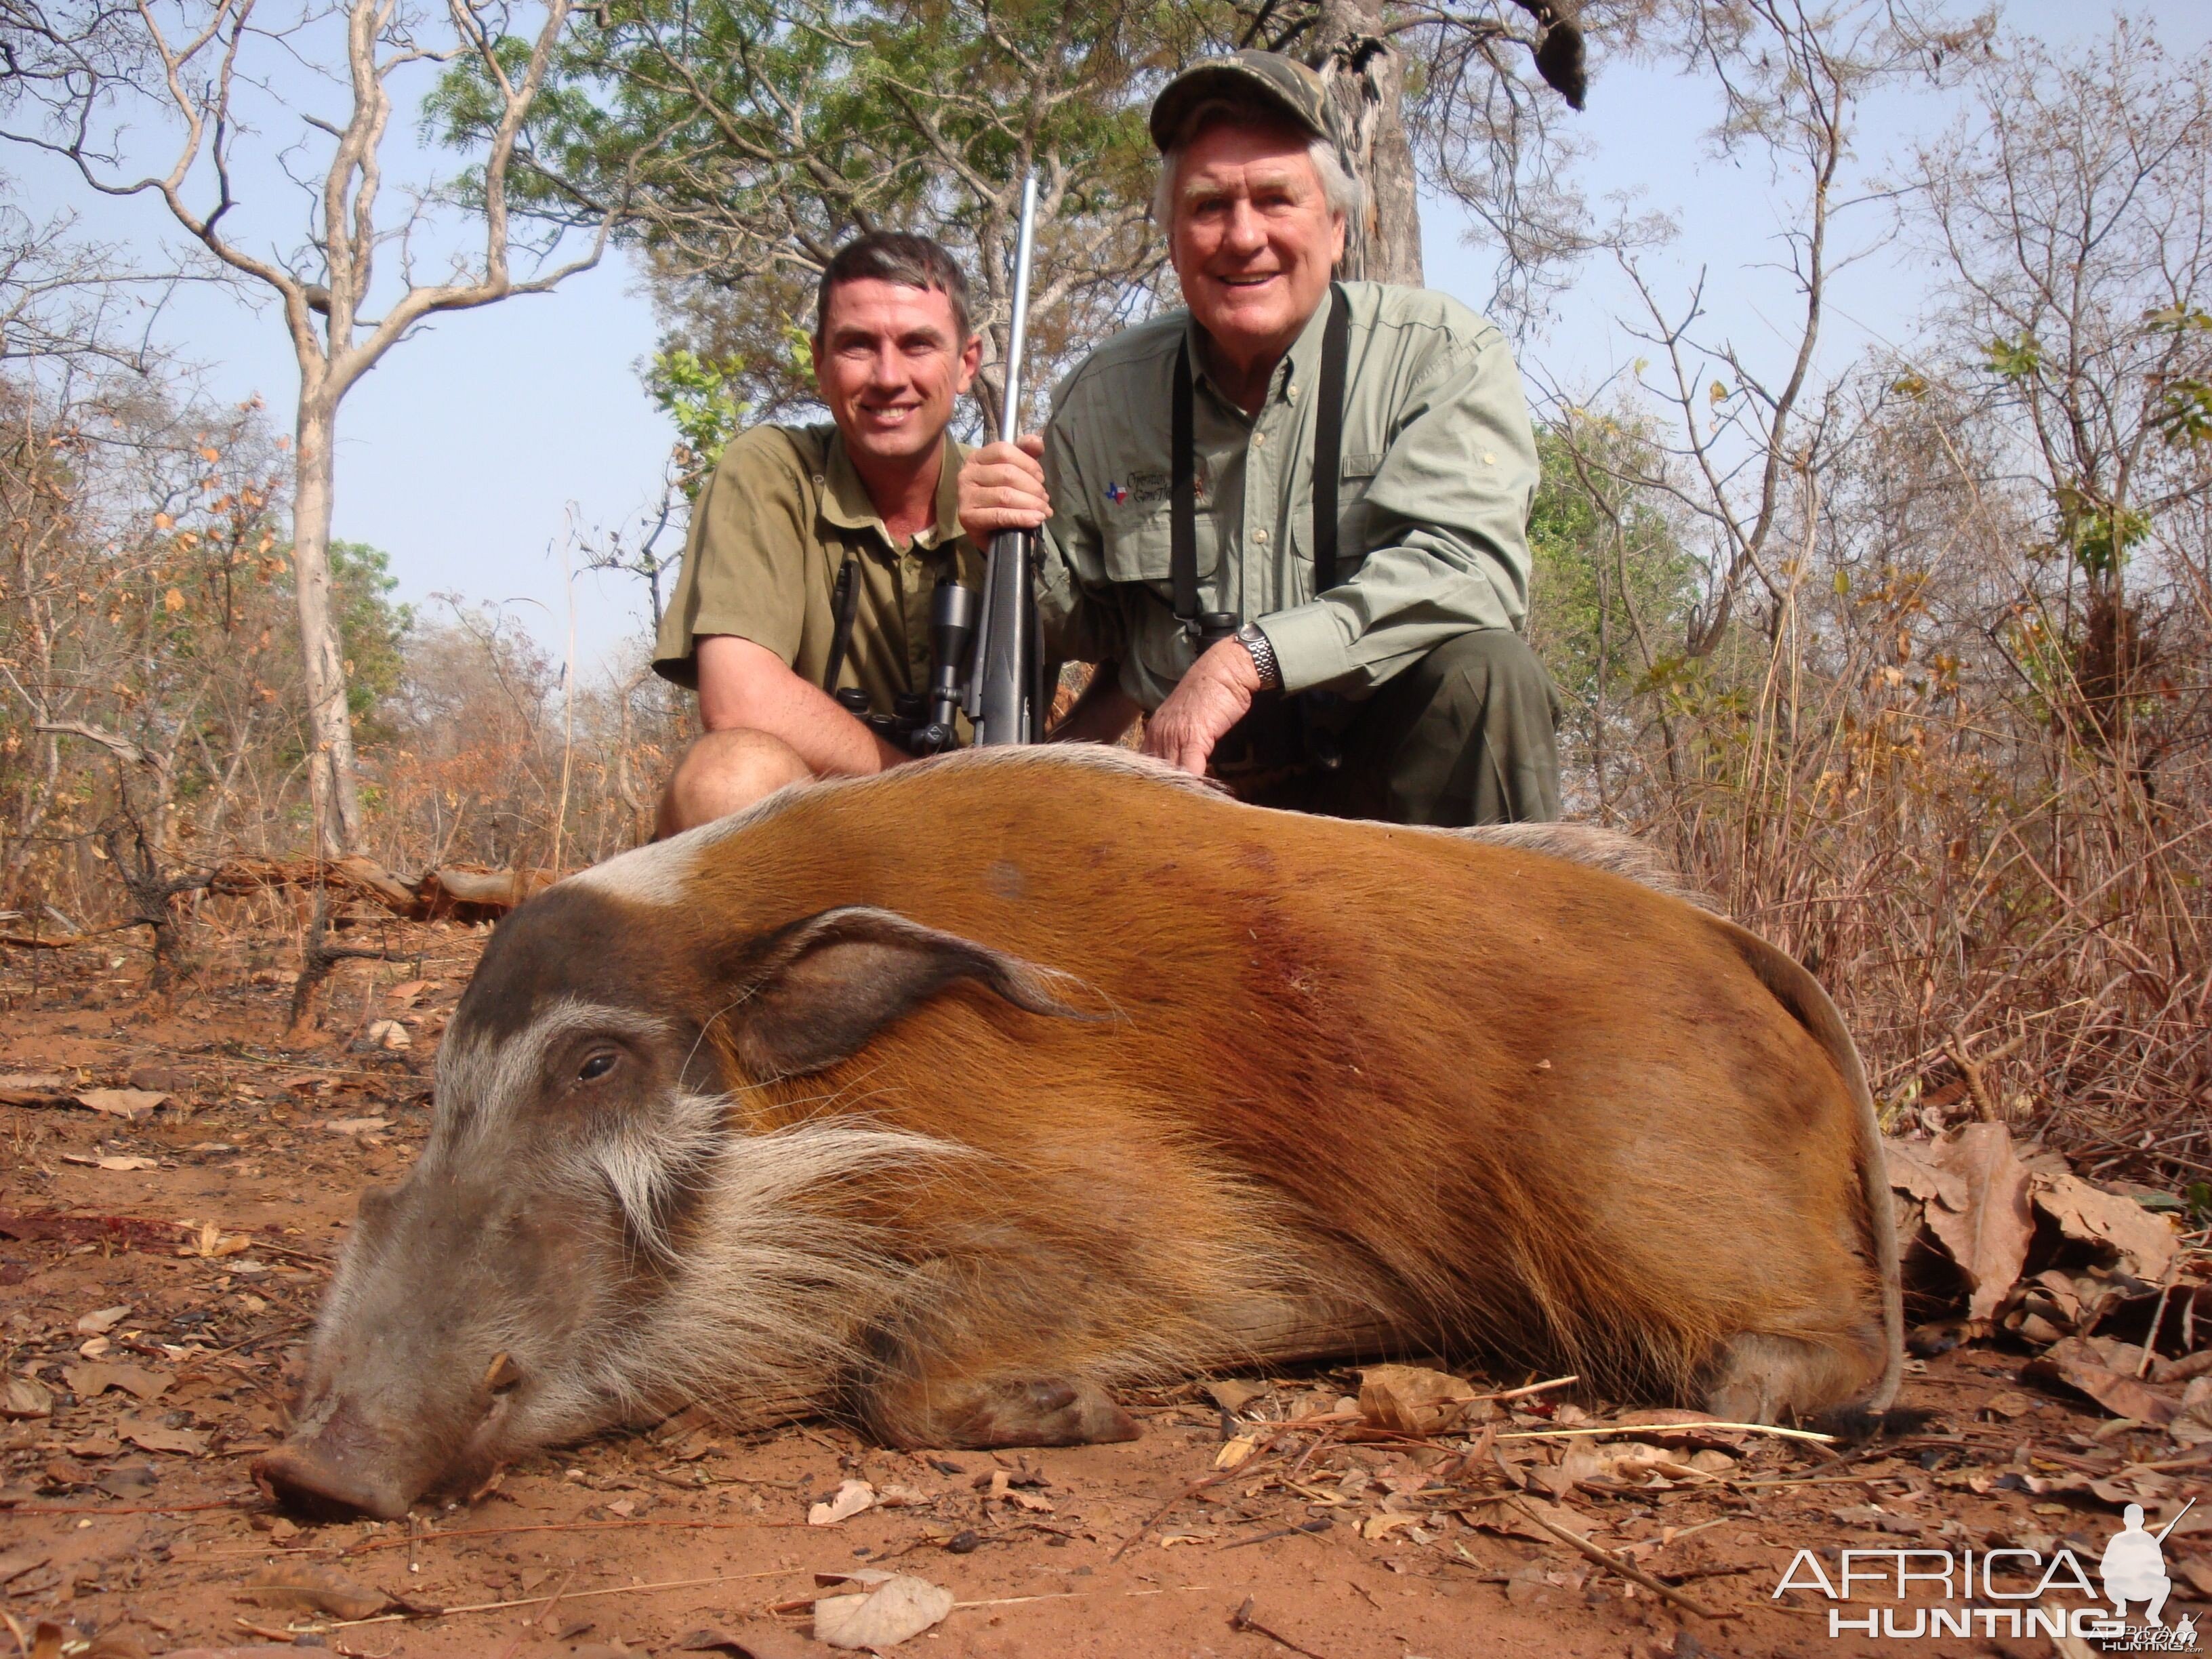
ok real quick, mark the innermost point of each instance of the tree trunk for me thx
(331, 779)
(1365, 77)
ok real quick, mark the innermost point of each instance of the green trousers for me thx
(1465, 736)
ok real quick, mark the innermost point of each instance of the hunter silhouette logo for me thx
(2134, 1567)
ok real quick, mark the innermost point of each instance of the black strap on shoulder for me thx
(1183, 510)
(1329, 436)
(1329, 455)
(844, 605)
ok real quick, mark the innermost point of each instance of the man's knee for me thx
(725, 772)
(1489, 662)
(1479, 718)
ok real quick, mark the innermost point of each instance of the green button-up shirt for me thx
(1438, 470)
(770, 532)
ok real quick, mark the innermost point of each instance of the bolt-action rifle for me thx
(998, 685)
(1005, 698)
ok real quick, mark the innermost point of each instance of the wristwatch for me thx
(1249, 635)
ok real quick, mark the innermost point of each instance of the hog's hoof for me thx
(1049, 1411)
(1763, 1378)
(303, 1481)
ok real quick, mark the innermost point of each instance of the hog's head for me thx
(604, 1222)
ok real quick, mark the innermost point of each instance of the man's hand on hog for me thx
(1206, 702)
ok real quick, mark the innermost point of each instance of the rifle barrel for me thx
(1017, 325)
(1002, 701)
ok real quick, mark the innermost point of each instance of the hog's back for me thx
(1484, 1067)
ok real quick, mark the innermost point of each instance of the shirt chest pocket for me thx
(1139, 545)
(1354, 476)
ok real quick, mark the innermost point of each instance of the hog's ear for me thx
(819, 989)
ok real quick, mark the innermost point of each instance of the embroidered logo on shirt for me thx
(1116, 494)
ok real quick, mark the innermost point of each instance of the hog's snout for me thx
(342, 1469)
(304, 1478)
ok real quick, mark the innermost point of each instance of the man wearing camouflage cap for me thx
(1344, 469)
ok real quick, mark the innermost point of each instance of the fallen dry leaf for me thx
(95, 1377)
(1510, 1517)
(2080, 1367)
(1233, 1451)
(1988, 1236)
(1911, 1173)
(1410, 1400)
(318, 1589)
(1876, 1519)
(101, 1321)
(356, 1126)
(852, 1497)
(1233, 1395)
(900, 1607)
(111, 1161)
(758, 1639)
(1382, 1526)
(23, 1398)
(388, 1034)
(2145, 1244)
(128, 1104)
(209, 1242)
(157, 1437)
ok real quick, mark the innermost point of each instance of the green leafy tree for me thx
(374, 628)
(700, 396)
(752, 137)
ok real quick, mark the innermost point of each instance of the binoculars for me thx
(925, 723)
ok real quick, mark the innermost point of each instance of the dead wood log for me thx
(452, 894)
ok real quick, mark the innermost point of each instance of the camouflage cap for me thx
(1266, 79)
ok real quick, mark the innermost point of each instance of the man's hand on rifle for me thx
(1002, 488)
(1205, 702)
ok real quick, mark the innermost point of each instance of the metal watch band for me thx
(1255, 640)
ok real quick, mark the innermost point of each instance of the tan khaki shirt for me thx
(1438, 470)
(769, 533)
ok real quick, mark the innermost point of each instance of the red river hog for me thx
(949, 1101)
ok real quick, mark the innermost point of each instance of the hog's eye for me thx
(596, 1066)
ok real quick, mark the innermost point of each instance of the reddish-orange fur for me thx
(1515, 1104)
(953, 1098)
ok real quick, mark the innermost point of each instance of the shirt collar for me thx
(844, 500)
(1300, 367)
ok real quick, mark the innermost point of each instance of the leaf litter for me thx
(2027, 1347)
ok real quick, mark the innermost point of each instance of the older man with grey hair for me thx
(1289, 524)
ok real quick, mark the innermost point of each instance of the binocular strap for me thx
(1328, 454)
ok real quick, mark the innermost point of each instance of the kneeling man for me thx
(1344, 469)
(796, 518)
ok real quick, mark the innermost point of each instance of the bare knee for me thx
(726, 772)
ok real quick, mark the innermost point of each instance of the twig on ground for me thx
(544, 1617)
(579, 1596)
(1308, 1528)
(1670, 1428)
(1184, 1497)
(1242, 1619)
(1613, 1563)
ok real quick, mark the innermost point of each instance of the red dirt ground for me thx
(157, 1548)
